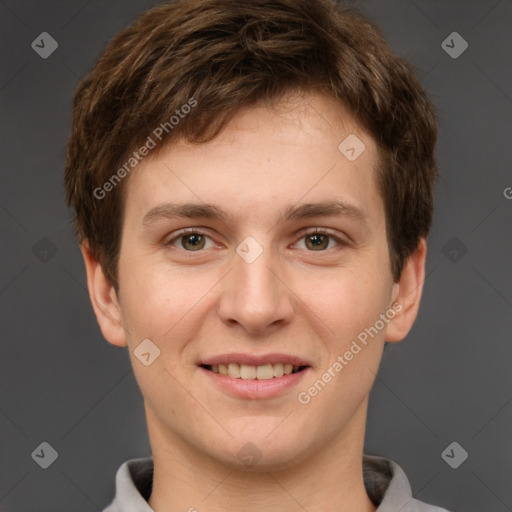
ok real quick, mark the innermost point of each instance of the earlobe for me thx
(406, 294)
(104, 300)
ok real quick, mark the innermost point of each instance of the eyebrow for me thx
(166, 211)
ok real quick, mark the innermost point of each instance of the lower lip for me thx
(254, 389)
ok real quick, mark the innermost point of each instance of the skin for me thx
(294, 299)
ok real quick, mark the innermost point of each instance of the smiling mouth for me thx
(250, 372)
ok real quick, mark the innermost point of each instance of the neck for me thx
(329, 480)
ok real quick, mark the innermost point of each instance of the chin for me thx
(263, 451)
(251, 458)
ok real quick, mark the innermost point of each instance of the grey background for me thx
(60, 382)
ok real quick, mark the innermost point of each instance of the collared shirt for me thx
(384, 480)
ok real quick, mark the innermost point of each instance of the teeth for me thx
(265, 372)
(234, 370)
(246, 372)
(250, 372)
(278, 370)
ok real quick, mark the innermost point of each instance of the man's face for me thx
(252, 284)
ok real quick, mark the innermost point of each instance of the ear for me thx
(406, 295)
(104, 300)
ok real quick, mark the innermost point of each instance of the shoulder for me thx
(388, 486)
(134, 482)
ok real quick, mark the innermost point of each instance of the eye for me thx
(193, 240)
(318, 240)
(190, 240)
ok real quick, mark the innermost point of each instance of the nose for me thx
(255, 295)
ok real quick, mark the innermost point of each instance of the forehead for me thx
(300, 148)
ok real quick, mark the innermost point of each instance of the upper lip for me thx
(254, 360)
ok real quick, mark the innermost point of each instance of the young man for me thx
(252, 183)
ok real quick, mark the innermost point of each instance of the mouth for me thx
(251, 376)
(253, 372)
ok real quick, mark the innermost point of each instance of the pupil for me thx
(317, 240)
(193, 241)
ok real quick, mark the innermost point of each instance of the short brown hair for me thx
(228, 54)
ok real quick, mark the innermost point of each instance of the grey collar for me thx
(385, 482)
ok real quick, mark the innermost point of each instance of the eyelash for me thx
(302, 234)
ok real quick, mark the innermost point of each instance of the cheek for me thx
(162, 302)
(345, 302)
(150, 302)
